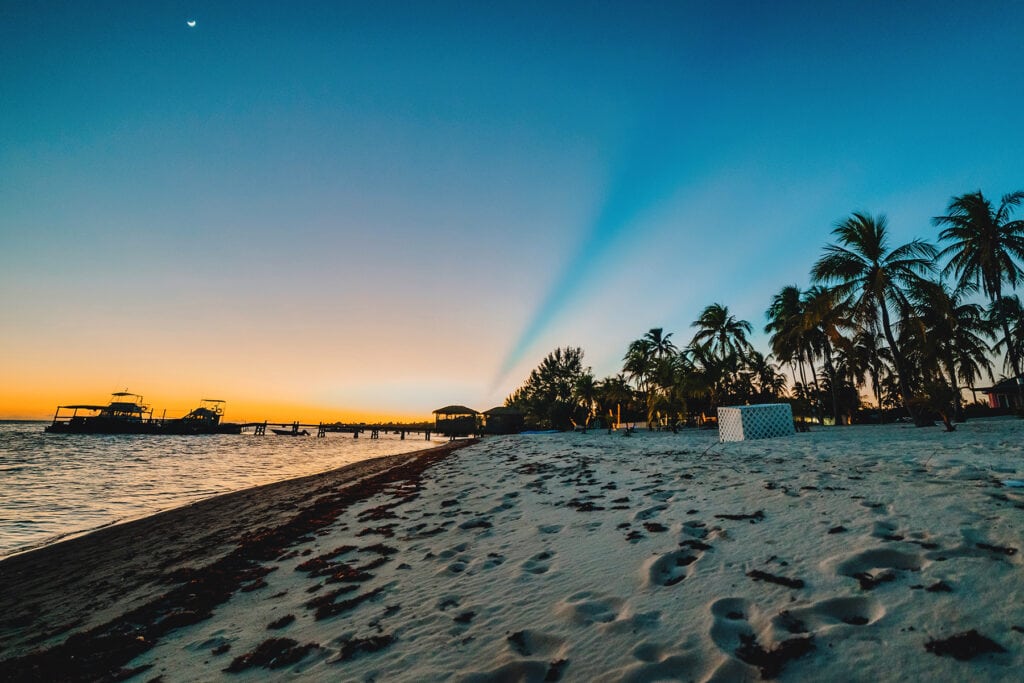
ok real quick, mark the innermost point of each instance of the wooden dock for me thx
(298, 428)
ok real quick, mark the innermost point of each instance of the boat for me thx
(291, 431)
(126, 413)
(206, 419)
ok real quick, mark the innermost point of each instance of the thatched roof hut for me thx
(455, 420)
(455, 411)
(503, 420)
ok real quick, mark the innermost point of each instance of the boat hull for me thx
(98, 425)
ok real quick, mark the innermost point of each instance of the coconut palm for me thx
(785, 325)
(585, 392)
(870, 279)
(639, 362)
(770, 382)
(986, 248)
(659, 345)
(720, 333)
(1007, 314)
(823, 317)
(953, 335)
(612, 394)
(865, 358)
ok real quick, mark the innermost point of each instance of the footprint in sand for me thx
(886, 530)
(657, 663)
(508, 501)
(695, 529)
(734, 630)
(849, 611)
(539, 563)
(977, 544)
(453, 551)
(588, 607)
(731, 622)
(633, 623)
(493, 560)
(530, 642)
(672, 567)
(875, 566)
(648, 513)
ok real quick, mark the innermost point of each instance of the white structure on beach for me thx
(761, 421)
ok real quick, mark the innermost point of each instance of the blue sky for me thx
(392, 206)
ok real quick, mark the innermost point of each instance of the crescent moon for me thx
(191, 23)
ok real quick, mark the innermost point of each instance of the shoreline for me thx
(62, 486)
(67, 586)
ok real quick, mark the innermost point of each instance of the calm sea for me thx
(56, 485)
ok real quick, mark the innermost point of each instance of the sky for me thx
(368, 210)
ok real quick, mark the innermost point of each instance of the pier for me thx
(298, 428)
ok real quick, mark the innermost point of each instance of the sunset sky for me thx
(363, 210)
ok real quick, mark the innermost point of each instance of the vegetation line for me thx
(905, 325)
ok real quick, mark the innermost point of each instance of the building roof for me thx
(503, 410)
(1006, 385)
(455, 410)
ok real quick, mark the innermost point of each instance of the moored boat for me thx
(125, 414)
(290, 432)
(206, 419)
(128, 414)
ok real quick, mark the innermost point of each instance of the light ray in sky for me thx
(645, 177)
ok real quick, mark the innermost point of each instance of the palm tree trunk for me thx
(901, 376)
(831, 371)
(958, 409)
(876, 385)
(1011, 349)
(817, 390)
(803, 378)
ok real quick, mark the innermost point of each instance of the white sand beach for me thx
(854, 553)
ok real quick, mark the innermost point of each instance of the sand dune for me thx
(864, 553)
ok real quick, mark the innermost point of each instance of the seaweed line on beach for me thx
(104, 651)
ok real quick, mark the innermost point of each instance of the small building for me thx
(1005, 394)
(503, 420)
(455, 421)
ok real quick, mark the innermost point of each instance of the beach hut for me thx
(1005, 394)
(503, 420)
(455, 421)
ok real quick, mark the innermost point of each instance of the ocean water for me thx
(56, 485)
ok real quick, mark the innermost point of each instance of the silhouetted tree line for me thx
(913, 326)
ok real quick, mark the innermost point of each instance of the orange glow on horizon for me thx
(41, 406)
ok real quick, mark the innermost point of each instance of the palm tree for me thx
(720, 333)
(612, 393)
(985, 248)
(953, 336)
(785, 325)
(659, 345)
(864, 357)
(1008, 314)
(823, 316)
(585, 392)
(770, 383)
(870, 279)
(638, 362)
